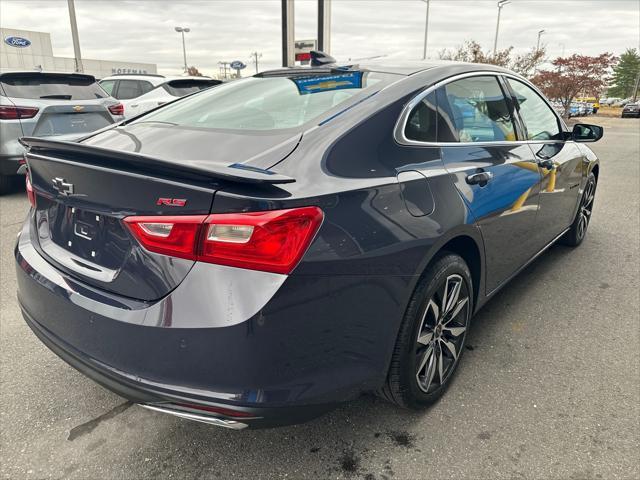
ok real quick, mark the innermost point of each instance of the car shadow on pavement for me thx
(363, 438)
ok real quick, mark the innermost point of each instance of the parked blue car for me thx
(257, 253)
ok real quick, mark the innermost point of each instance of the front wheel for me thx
(578, 230)
(431, 339)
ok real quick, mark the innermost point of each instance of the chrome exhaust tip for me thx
(211, 420)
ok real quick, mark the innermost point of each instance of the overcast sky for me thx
(143, 30)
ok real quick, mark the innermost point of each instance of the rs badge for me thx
(172, 202)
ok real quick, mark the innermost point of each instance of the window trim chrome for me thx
(401, 124)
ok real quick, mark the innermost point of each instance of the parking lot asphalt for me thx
(549, 386)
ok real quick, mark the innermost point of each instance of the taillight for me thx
(30, 193)
(272, 241)
(117, 109)
(11, 112)
(172, 235)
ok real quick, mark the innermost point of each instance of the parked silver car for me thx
(44, 104)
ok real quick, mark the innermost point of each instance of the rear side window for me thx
(540, 121)
(145, 86)
(52, 86)
(128, 89)
(474, 109)
(422, 122)
(180, 88)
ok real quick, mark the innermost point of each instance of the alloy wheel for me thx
(586, 207)
(441, 333)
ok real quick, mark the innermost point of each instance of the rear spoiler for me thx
(87, 154)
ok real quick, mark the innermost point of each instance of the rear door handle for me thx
(479, 178)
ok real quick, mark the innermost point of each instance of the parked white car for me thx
(139, 93)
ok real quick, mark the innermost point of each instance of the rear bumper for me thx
(167, 400)
(316, 342)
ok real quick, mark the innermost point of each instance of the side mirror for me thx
(583, 132)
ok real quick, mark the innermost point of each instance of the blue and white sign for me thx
(237, 65)
(326, 83)
(18, 42)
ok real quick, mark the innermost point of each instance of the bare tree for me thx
(193, 71)
(471, 51)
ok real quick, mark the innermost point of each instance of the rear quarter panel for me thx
(352, 286)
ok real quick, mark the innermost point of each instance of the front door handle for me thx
(479, 178)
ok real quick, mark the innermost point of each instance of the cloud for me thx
(228, 30)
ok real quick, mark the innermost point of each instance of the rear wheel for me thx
(432, 335)
(578, 230)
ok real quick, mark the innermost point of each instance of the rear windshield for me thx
(271, 103)
(63, 87)
(180, 88)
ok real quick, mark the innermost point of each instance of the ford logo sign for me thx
(17, 42)
(237, 65)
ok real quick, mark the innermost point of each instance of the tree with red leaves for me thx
(574, 75)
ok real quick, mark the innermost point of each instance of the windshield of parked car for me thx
(271, 103)
(51, 86)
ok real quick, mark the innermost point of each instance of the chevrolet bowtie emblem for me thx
(61, 185)
(78, 108)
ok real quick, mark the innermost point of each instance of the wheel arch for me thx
(466, 243)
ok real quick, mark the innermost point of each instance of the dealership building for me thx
(29, 50)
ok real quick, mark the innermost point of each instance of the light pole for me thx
(184, 48)
(501, 3)
(535, 67)
(255, 56)
(426, 30)
(288, 33)
(74, 35)
(324, 26)
(540, 32)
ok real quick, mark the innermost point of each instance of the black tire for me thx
(578, 230)
(411, 365)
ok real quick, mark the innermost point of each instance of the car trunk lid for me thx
(83, 193)
(71, 119)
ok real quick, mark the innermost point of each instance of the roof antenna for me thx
(320, 59)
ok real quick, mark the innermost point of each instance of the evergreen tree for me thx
(625, 74)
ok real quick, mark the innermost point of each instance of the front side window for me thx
(474, 109)
(272, 103)
(540, 121)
